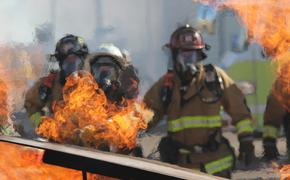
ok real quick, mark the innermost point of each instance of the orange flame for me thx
(18, 162)
(86, 117)
(19, 65)
(268, 23)
(284, 172)
(3, 105)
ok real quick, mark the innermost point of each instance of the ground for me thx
(259, 170)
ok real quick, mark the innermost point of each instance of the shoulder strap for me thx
(167, 88)
(213, 83)
(130, 82)
(45, 88)
(49, 80)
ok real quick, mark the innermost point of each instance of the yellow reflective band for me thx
(219, 165)
(270, 131)
(184, 151)
(7, 131)
(36, 118)
(187, 122)
(245, 126)
(81, 40)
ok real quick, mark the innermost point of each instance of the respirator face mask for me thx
(69, 65)
(186, 64)
(105, 72)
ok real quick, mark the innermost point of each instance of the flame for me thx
(3, 105)
(20, 65)
(284, 172)
(268, 23)
(19, 162)
(281, 86)
(85, 117)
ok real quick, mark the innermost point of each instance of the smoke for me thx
(31, 28)
(142, 27)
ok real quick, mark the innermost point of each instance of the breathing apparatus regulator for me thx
(114, 73)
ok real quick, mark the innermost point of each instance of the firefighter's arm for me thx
(153, 101)
(234, 104)
(273, 117)
(33, 104)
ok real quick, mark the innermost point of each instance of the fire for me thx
(284, 172)
(85, 117)
(268, 23)
(282, 84)
(26, 163)
(3, 105)
(20, 65)
(18, 162)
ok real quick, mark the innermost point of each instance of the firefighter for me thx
(192, 95)
(70, 53)
(118, 78)
(113, 71)
(275, 115)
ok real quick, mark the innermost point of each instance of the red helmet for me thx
(187, 38)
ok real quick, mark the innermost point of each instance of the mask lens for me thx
(186, 64)
(69, 47)
(104, 73)
(187, 57)
(66, 47)
(71, 64)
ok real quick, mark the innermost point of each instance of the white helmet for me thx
(109, 49)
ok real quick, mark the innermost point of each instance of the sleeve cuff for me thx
(270, 131)
(245, 126)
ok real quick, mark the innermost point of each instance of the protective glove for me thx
(270, 149)
(44, 92)
(36, 119)
(247, 153)
(168, 150)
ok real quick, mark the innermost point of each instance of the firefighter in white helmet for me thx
(114, 72)
(117, 77)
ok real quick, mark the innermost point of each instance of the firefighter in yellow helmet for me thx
(275, 115)
(192, 95)
(70, 53)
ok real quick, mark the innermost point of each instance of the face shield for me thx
(186, 62)
(67, 48)
(105, 72)
(69, 65)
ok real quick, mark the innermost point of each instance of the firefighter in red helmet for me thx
(191, 96)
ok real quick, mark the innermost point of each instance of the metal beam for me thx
(106, 163)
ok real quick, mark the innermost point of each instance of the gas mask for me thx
(69, 65)
(186, 64)
(106, 73)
